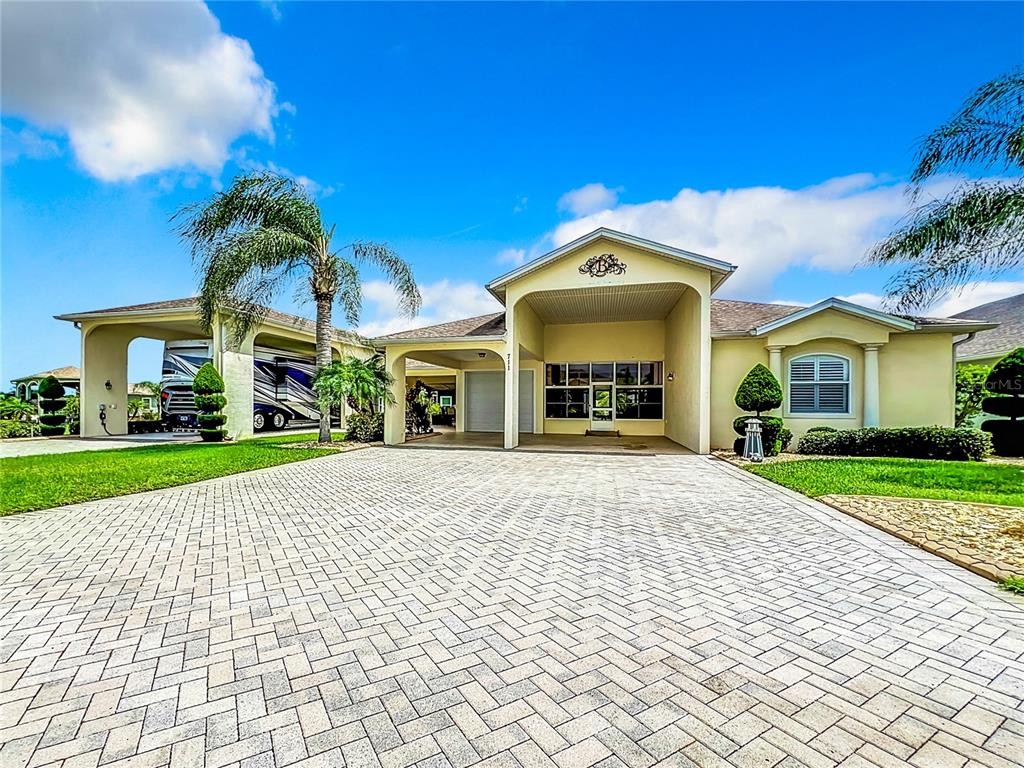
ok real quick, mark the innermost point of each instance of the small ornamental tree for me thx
(51, 403)
(758, 392)
(1005, 385)
(970, 392)
(209, 387)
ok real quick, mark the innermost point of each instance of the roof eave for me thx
(385, 341)
(842, 306)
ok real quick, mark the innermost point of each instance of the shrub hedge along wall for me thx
(949, 443)
(51, 403)
(208, 387)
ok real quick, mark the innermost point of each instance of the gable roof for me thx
(1009, 313)
(893, 321)
(720, 269)
(490, 326)
(192, 304)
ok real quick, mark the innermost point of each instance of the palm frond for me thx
(350, 290)
(973, 231)
(395, 269)
(987, 130)
(241, 271)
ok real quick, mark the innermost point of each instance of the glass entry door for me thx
(602, 408)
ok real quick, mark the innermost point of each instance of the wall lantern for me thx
(481, 354)
(671, 376)
(108, 385)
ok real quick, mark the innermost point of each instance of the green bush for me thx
(16, 428)
(774, 436)
(1005, 385)
(822, 428)
(759, 391)
(365, 428)
(949, 443)
(208, 386)
(51, 403)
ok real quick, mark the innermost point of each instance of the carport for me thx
(106, 334)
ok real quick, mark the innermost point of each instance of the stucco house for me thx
(615, 333)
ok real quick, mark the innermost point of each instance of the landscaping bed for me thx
(51, 480)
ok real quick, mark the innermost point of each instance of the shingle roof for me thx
(728, 316)
(1009, 313)
(193, 303)
(484, 325)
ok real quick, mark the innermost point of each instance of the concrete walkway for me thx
(392, 608)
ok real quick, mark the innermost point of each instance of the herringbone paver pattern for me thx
(393, 608)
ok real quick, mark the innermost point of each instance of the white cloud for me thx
(137, 87)
(864, 299)
(443, 301)
(513, 256)
(765, 230)
(589, 199)
(314, 188)
(27, 143)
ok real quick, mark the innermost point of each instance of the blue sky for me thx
(471, 137)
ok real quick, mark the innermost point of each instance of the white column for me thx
(460, 400)
(775, 360)
(394, 414)
(871, 393)
(511, 380)
(234, 362)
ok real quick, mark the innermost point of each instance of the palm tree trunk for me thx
(324, 332)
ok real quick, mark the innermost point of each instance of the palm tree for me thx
(359, 383)
(265, 231)
(978, 228)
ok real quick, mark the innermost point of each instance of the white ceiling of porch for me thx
(610, 304)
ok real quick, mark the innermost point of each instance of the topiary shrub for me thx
(948, 443)
(1005, 383)
(364, 427)
(51, 403)
(208, 387)
(823, 428)
(761, 391)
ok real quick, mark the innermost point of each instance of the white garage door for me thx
(485, 401)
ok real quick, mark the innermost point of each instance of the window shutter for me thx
(801, 398)
(831, 369)
(802, 370)
(832, 398)
(819, 384)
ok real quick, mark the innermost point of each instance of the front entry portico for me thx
(608, 334)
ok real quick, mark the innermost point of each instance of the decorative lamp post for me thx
(752, 447)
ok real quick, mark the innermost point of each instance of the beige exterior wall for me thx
(917, 387)
(687, 391)
(915, 375)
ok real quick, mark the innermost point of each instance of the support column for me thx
(460, 399)
(394, 413)
(104, 359)
(871, 390)
(775, 360)
(234, 362)
(511, 381)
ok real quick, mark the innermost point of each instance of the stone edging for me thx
(956, 553)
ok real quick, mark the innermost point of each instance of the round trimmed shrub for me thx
(51, 403)
(1005, 384)
(759, 391)
(822, 428)
(208, 387)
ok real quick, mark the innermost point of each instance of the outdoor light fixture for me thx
(671, 376)
(752, 446)
(481, 354)
(108, 385)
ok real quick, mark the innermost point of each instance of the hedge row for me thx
(952, 444)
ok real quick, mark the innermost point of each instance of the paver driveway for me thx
(436, 608)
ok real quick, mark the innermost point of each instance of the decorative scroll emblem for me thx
(605, 264)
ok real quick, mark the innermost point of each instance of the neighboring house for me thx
(25, 387)
(70, 377)
(616, 333)
(988, 347)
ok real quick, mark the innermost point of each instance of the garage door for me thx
(485, 401)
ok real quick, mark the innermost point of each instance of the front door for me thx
(602, 409)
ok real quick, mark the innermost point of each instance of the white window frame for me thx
(790, 413)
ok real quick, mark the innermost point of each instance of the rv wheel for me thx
(259, 421)
(279, 420)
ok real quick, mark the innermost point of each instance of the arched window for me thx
(819, 384)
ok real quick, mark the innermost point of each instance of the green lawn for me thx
(41, 482)
(953, 480)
